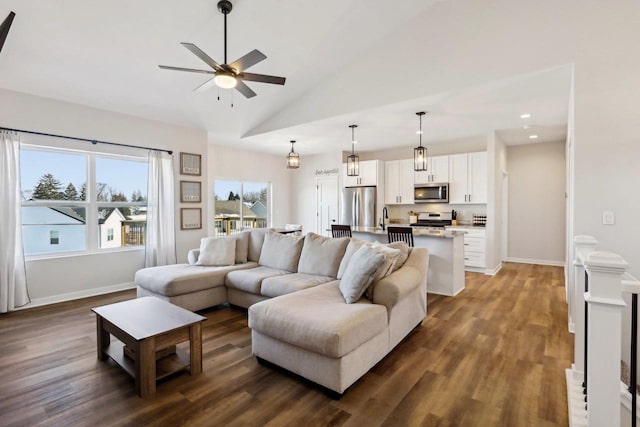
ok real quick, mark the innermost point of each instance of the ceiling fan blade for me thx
(4, 28)
(191, 70)
(200, 54)
(249, 60)
(262, 78)
(205, 86)
(245, 90)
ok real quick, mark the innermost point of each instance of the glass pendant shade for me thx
(293, 158)
(353, 165)
(225, 81)
(420, 158)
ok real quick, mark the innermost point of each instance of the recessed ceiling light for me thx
(533, 136)
(525, 116)
(525, 127)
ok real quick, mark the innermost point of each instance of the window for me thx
(240, 205)
(66, 193)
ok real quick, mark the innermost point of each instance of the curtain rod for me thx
(93, 141)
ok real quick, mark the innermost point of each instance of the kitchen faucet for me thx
(385, 214)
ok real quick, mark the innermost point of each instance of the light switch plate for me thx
(608, 218)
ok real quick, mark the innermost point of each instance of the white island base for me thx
(446, 256)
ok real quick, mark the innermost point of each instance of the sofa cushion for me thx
(281, 251)
(404, 254)
(251, 280)
(178, 279)
(322, 255)
(217, 251)
(352, 247)
(318, 320)
(281, 285)
(392, 257)
(256, 239)
(364, 267)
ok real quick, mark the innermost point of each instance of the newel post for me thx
(584, 245)
(604, 297)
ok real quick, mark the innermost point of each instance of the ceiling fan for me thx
(228, 76)
(4, 28)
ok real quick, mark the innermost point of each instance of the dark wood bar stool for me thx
(400, 234)
(338, 230)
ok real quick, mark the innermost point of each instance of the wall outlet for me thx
(608, 218)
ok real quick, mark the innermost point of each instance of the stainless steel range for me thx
(433, 219)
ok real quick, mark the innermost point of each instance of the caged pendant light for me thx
(420, 152)
(293, 158)
(353, 161)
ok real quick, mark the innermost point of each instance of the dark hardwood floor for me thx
(492, 356)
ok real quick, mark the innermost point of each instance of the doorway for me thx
(326, 204)
(505, 216)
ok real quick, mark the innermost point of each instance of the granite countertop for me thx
(465, 226)
(417, 232)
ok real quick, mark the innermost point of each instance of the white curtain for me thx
(161, 238)
(13, 278)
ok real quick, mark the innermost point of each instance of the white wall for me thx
(537, 202)
(75, 276)
(303, 187)
(235, 164)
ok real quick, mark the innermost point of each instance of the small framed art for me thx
(190, 218)
(190, 191)
(190, 164)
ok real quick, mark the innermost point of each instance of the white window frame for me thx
(242, 183)
(91, 204)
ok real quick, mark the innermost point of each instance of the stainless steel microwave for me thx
(433, 192)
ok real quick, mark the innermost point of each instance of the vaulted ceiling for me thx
(105, 55)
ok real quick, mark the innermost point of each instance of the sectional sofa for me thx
(326, 309)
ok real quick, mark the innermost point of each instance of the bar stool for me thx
(400, 234)
(338, 230)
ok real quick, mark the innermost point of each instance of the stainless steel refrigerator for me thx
(359, 206)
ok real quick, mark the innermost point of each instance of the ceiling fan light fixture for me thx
(293, 158)
(353, 161)
(225, 81)
(420, 152)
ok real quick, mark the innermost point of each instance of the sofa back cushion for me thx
(217, 251)
(281, 251)
(321, 255)
(256, 239)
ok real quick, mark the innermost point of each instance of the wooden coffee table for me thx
(148, 330)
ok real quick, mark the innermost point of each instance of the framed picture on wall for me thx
(190, 164)
(190, 191)
(190, 218)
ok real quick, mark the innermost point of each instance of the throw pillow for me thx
(217, 251)
(256, 239)
(392, 256)
(363, 268)
(352, 247)
(404, 254)
(281, 251)
(321, 255)
(242, 247)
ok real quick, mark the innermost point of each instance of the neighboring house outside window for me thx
(241, 205)
(66, 193)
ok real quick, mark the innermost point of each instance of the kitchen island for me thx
(446, 255)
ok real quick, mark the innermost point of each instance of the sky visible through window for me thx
(124, 176)
(223, 187)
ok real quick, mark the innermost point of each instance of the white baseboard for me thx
(37, 302)
(536, 261)
(493, 271)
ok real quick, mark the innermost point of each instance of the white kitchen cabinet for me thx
(437, 171)
(398, 177)
(368, 175)
(468, 178)
(475, 247)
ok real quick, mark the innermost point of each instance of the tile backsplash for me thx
(465, 212)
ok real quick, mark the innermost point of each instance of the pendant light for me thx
(353, 161)
(420, 152)
(293, 158)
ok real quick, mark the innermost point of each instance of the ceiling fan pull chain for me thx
(218, 92)
(231, 99)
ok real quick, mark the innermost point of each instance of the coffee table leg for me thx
(104, 339)
(146, 367)
(195, 348)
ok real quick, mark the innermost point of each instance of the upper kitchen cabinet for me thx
(437, 171)
(399, 179)
(368, 176)
(468, 178)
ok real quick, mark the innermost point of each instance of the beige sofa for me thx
(297, 312)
